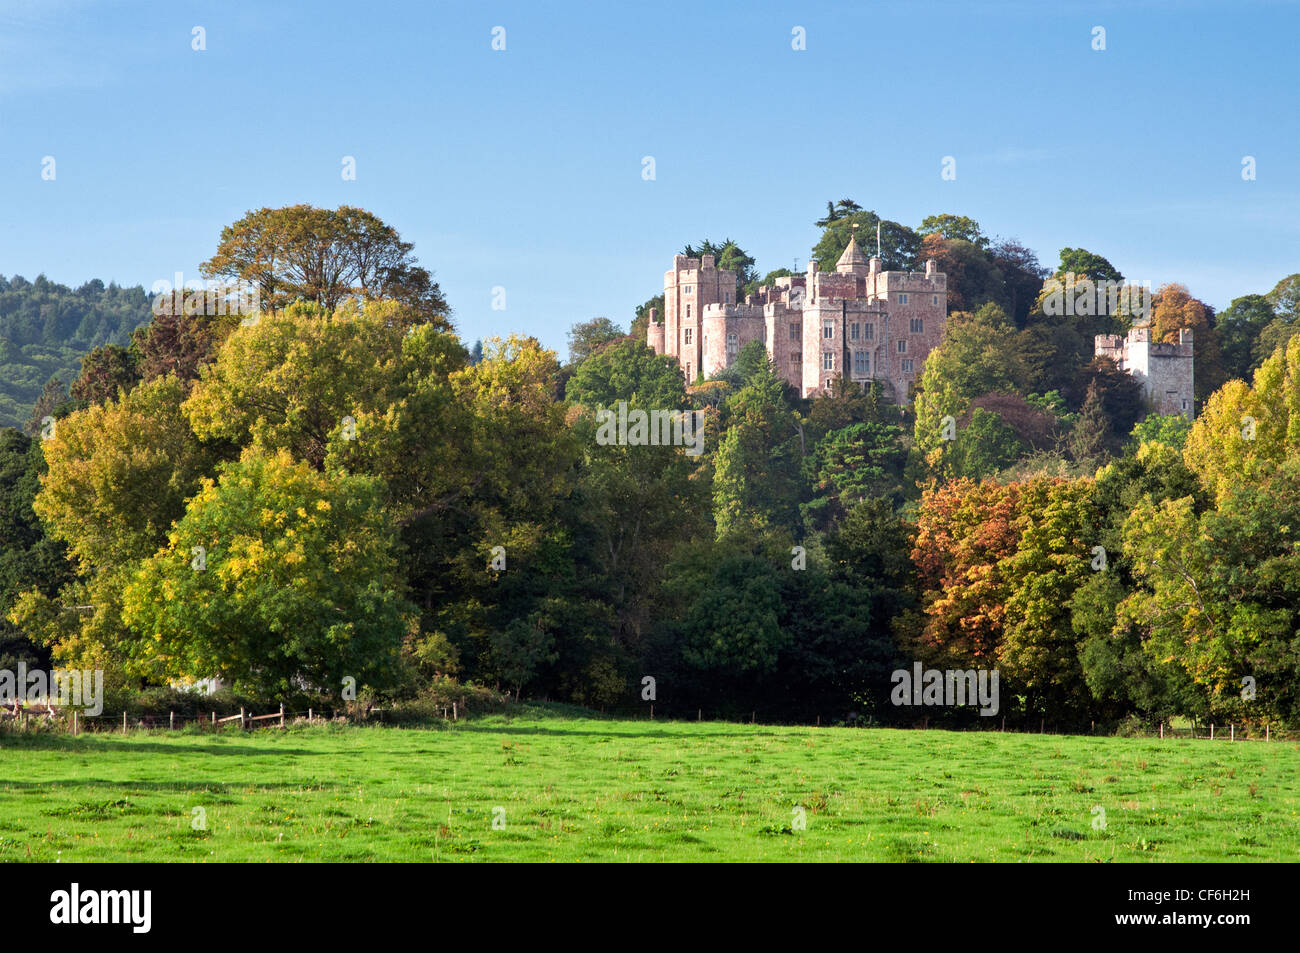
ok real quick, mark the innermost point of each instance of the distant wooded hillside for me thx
(46, 327)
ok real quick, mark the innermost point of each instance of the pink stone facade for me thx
(857, 321)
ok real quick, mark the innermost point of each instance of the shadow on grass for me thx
(89, 744)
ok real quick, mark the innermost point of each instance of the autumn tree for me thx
(325, 256)
(1173, 309)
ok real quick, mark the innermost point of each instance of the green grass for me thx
(589, 789)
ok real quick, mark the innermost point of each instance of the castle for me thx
(858, 321)
(1165, 370)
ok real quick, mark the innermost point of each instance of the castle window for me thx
(828, 360)
(688, 310)
(828, 330)
(902, 299)
(917, 325)
(934, 300)
(861, 362)
(853, 331)
(796, 359)
(688, 335)
(902, 347)
(794, 332)
(869, 332)
(733, 345)
(686, 289)
(905, 366)
(726, 297)
(688, 372)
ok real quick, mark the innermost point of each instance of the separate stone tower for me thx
(1165, 370)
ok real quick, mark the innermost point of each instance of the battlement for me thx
(1165, 369)
(815, 327)
(913, 281)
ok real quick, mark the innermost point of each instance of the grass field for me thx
(571, 788)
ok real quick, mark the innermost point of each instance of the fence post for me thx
(1211, 731)
(309, 716)
(1232, 732)
(454, 714)
(1266, 732)
(171, 720)
(124, 721)
(699, 714)
(214, 719)
(1162, 731)
(242, 723)
(74, 721)
(281, 714)
(1042, 725)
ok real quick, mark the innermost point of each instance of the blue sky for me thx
(522, 169)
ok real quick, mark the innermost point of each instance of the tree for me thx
(856, 463)
(52, 403)
(119, 475)
(972, 359)
(1022, 277)
(1038, 652)
(954, 227)
(586, 336)
(727, 256)
(179, 344)
(29, 559)
(1243, 426)
(1092, 436)
(973, 279)
(631, 371)
(1170, 430)
(105, 372)
(299, 579)
(985, 444)
(1080, 262)
(899, 244)
(963, 530)
(1239, 327)
(1172, 309)
(1218, 592)
(289, 381)
(325, 256)
(756, 483)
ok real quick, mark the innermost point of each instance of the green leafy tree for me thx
(630, 371)
(954, 226)
(299, 578)
(586, 336)
(756, 483)
(1080, 262)
(899, 244)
